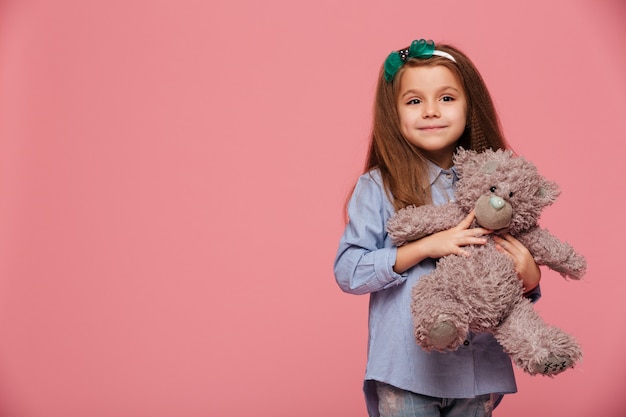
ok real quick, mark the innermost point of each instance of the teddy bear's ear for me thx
(489, 167)
(461, 156)
(494, 159)
(466, 161)
(547, 192)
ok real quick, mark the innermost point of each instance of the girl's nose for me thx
(431, 110)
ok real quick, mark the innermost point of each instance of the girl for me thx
(429, 101)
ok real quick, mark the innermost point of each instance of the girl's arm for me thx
(366, 255)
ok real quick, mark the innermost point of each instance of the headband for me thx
(418, 49)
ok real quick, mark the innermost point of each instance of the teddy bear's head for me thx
(506, 192)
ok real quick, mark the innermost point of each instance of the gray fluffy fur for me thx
(482, 292)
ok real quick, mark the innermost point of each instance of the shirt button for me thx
(466, 343)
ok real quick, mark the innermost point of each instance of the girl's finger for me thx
(479, 231)
(467, 221)
(510, 243)
(501, 242)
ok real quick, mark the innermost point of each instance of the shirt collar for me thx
(434, 171)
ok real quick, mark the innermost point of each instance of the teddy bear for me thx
(481, 292)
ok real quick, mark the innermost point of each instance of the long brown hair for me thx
(402, 165)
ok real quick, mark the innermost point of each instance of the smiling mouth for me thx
(431, 128)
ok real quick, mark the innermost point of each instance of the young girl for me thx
(429, 101)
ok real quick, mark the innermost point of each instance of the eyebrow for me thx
(441, 90)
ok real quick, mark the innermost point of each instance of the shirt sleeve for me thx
(534, 295)
(366, 256)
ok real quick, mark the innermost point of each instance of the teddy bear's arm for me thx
(412, 223)
(557, 255)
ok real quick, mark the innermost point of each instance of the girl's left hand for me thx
(525, 266)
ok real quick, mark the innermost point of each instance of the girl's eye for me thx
(414, 101)
(447, 98)
(493, 189)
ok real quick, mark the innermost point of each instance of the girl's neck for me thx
(441, 159)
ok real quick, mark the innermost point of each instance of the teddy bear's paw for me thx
(443, 335)
(553, 365)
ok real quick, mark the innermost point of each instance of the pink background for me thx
(172, 178)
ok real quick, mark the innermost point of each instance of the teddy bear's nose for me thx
(496, 202)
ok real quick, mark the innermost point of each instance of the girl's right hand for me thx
(452, 241)
(437, 245)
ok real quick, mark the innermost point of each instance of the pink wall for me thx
(172, 175)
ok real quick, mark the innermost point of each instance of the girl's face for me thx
(433, 111)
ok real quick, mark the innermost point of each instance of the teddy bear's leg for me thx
(535, 346)
(443, 333)
(439, 328)
(439, 322)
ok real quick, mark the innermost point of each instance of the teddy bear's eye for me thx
(493, 189)
(511, 194)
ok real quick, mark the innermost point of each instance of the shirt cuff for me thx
(384, 262)
(534, 295)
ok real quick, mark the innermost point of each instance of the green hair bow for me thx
(418, 49)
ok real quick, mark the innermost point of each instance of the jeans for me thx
(395, 402)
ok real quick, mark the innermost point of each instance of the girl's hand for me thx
(525, 266)
(437, 245)
(451, 241)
